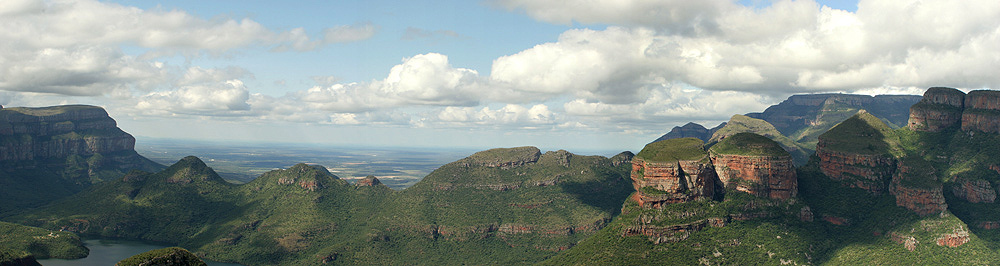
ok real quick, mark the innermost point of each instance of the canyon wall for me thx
(59, 132)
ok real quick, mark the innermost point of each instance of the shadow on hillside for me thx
(607, 195)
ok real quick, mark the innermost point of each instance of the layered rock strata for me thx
(974, 190)
(659, 183)
(870, 172)
(916, 188)
(59, 132)
(982, 111)
(762, 176)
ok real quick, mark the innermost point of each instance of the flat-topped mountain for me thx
(51, 152)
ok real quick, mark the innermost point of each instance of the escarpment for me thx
(58, 132)
(941, 108)
(756, 165)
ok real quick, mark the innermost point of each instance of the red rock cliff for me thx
(870, 172)
(674, 182)
(762, 176)
(917, 189)
(940, 108)
(982, 111)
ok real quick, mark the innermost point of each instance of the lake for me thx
(105, 252)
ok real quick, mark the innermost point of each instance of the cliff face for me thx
(804, 117)
(762, 176)
(940, 108)
(982, 111)
(672, 182)
(946, 107)
(870, 172)
(917, 189)
(58, 132)
(974, 190)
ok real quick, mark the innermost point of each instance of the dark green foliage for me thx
(11, 258)
(749, 144)
(172, 256)
(863, 133)
(461, 213)
(41, 243)
(673, 150)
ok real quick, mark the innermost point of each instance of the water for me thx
(105, 252)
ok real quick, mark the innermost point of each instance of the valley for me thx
(848, 187)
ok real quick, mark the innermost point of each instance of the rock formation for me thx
(504, 158)
(916, 187)
(804, 117)
(982, 111)
(58, 132)
(856, 152)
(942, 108)
(368, 181)
(756, 165)
(974, 190)
(673, 171)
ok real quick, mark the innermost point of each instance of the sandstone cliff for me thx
(916, 187)
(673, 171)
(859, 152)
(982, 111)
(756, 165)
(941, 108)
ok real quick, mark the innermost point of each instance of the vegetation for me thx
(748, 144)
(672, 150)
(174, 256)
(744, 124)
(41, 243)
(863, 133)
(460, 213)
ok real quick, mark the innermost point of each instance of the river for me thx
(106, 252)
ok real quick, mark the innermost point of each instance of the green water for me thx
(105, 252)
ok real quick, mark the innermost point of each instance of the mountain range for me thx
(818, 179)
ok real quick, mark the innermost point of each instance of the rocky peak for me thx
(191, 169)
(690, 130)
(624, 157)
(368, 181)
(858, 152)
(309, 177)
(943, 108)
(982, 111)
(916, 187)
(943, 95)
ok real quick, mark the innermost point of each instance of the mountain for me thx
(872, 195)
(745, 124)
(508, 206)
(52, 152)
(690, 130)
(804, 117)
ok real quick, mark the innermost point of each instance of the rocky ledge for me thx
(942, 108)
(916, 187)
(756, 165)
(59, 132)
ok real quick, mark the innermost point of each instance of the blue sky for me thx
(566, 74)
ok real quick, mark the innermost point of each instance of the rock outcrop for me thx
(855, 152)
(941, 108)
(916, 187)
(804, 117)
(59, 132)
(756, 165)
(982, 111)
(673, 171)
(368, 181)
(974, 190)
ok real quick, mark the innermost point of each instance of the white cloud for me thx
(222, 98)
(787, 47)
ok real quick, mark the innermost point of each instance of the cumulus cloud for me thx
(509, 115)
(222, 98)
(787, 47)
(73, 47)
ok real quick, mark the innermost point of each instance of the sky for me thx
(580, 75)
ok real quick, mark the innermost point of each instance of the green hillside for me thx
(502, 206)
(672, 150)
(18, 239)
(744, 124)
(749, 144)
